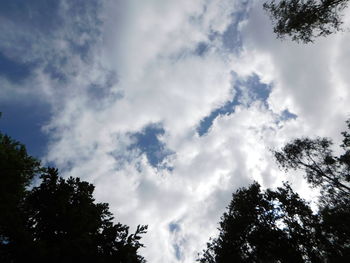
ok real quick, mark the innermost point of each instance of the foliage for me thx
(332, 175)
(58, 220)
(305, 20)
(17, 169)
(279, 226)
(270, 226)
(322, 168)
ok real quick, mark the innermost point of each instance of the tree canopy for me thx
(265, 226)
(331, 174)
(58, 220)
(279, 226)
(305, 20)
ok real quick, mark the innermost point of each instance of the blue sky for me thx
(24, 122)
(256, 91)
(166, 106)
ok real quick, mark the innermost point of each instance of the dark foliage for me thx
(57, 221)
(305, 20)
(17, 169)
(278, 226)
(331, 174)
(270, 226)
(322, 168)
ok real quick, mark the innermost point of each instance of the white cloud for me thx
(142, 68)
(306, 77)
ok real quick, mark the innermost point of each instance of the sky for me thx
(166, 106)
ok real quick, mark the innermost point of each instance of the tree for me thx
(265, 226)
(279, 226)
(322, 168)
(305, 20)
(58, 220)
(17, 169)
(330, 174)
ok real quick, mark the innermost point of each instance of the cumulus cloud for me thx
(306, 78)
(122, 77)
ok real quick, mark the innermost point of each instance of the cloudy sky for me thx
(166, 106)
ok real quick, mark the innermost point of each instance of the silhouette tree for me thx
(58, 220)
(331, 174)
(270, 226)
(279, 226)
(305, 20)
(17, 169)
(322, 168)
